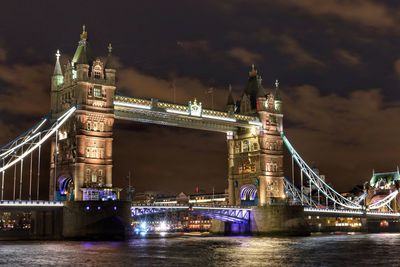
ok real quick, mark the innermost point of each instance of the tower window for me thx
(97, 92)
(245, 146)
(97, 75)
(94, 177)
(88, 173)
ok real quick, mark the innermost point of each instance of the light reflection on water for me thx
(326, 250)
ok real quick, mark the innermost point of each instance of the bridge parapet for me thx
(30, 204)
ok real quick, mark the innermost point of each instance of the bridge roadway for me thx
(237, 211)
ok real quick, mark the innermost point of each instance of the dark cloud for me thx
(199, 45)
(347, 58)
(243, 55)
(345, 136)
(3, 54)
(337, 62)
(364, 12)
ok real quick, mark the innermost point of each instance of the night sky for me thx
(338, 63)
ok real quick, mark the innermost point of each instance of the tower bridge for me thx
(84, 105)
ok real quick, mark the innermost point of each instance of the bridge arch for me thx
(248, 195)
(65, 187)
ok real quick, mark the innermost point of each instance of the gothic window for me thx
(97, 91)
(94, 177)
(101, 126)
(87, 174)
(93, 153)
(88, 152)
(97, 70)
(97, 74)
(245, 146)
(95, 126)
(88, 126)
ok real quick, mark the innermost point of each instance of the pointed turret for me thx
(252, 92)
(82, 54)
(260, 88)
(82, 57)
(278, 99)
(111, 62)
(230, 104)
(58, 77)
(111, 65)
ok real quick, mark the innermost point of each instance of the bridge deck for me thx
(307, 210)
(157, 112)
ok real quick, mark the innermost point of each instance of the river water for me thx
(326, 250)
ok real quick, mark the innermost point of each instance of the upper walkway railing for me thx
(188, 116)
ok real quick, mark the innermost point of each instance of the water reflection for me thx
(325, 250)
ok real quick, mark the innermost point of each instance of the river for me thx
(322, 250)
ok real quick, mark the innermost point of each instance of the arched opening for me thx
(65, 188)
(248, 195)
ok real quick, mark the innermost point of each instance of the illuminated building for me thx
(81, 162)
(384, 187)
(255, 160)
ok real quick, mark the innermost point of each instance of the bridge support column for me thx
(278, 220)
(97, 220)
(229, 228)
(262, 191)
(269, 220)
(46, 224)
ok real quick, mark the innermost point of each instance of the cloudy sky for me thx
(338, 63)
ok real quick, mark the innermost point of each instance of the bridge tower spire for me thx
(57, 80)
(81, 161)
(230, 104)
(255, 156)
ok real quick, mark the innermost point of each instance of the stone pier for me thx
(96, 220)
(270, 220)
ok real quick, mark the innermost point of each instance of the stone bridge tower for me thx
(81, 153)
(255, 157)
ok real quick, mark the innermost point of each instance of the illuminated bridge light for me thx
(177, 111)
(257, 123)
(31, 204)
(131, 105)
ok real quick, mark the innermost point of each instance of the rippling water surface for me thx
(328, 250)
